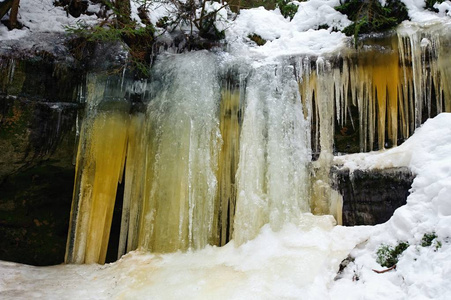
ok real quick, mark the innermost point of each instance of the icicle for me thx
(417, 78)
(426, 83)
(134, 181)
(228, 162)
(444, 68)
(324, 101)
(403, 91)
(100, 159)
(12, 68)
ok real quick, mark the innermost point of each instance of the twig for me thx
(386, 270)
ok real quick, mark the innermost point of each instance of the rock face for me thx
(371, 196)
(38, 110)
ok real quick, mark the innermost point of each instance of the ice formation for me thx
(225, 147)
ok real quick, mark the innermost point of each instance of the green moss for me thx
(428, 238)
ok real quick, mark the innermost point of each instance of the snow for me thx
(302, 35)
(444, 8)
(283, 265)
(285, 37)
(418, 14)
(422, 272)
(41, 16)
(298, 262)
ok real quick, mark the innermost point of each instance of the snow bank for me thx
(422, 272)
(418, 14)
(285, 37)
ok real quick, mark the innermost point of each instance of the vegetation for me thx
(257, 39)
(387, 256)
(236, 5)
(138, 39)
(287, 8)
(73, 7)
(197, 18)
(370, 16)
(116, 26)
(430, 239)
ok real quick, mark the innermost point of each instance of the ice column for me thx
(99, 166)
(181, 156)
(272, 177)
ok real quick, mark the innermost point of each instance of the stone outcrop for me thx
(371, 196)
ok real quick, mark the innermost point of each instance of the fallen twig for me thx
(386, 270)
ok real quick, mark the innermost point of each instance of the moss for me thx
(257, 39)
(428, 238)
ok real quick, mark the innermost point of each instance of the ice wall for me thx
(395, 81)
(225, 146)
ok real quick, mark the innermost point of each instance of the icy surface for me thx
(298, 262)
